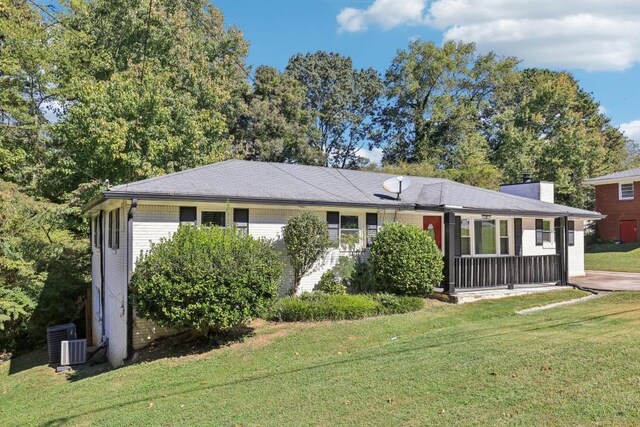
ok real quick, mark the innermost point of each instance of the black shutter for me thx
(517, 235)
(457, 247)
(333, 223)
(572, 233)
(187, 214)
(539, 232)
(110, 229)
(241, 220)
(241, 216)
(372, 227)
(117, 231)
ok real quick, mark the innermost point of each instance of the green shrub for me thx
(361, 279)
(393, 304)
(321, 306)
(306, 239)
(329, 284)
(206, 278)
(405, 260)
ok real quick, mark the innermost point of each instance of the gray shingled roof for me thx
(245, 181)
(622, 175)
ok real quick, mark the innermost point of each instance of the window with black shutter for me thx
(372, 227)
(213, 219)
(187, 215)
(333, 224)
(572, 233)
(241, 220)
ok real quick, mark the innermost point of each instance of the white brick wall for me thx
(153, 222)
(150, 224)
(576, 252)
(115, 309)
(96, 325)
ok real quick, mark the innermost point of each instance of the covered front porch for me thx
(469, 269)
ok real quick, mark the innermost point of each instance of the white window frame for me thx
(551, 243)
(358, 244)
(620, 196)
(472, 236)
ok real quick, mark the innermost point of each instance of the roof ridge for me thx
(172, 174)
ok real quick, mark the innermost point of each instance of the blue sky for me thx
(597, 40)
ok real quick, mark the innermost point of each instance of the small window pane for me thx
(213, 219)
(504, 237)
(465, 237)
(349, 222)
(626, 191)
(547, 232)
(485, 233)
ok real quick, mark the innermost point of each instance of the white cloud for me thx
(383, 13)
(632, 130)
(374, 155)
(587, 34)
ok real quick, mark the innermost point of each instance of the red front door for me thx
(433, 226)
(628, 231)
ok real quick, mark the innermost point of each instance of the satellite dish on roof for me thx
(396, 185)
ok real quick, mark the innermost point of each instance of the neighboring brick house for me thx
(618, 197)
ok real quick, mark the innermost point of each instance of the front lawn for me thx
(612, 257)
(476, 363)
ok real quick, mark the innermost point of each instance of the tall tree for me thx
(545, 124)
(25, 91)
(276, 125)
(342, 100)
(150, 87)
(436, 97)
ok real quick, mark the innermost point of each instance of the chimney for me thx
(538, 190)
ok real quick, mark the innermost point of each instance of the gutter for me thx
(514, 212)
(403, 206)
(231, 199)
(130, 215)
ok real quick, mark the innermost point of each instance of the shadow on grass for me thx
(182, 345)
(463, 337)
(28, 360)
(611, 247)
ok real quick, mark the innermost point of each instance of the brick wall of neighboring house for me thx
(608, 202)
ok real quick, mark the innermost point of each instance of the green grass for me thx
(612, 257)
(475, 364)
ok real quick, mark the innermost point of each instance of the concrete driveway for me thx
(609, 281)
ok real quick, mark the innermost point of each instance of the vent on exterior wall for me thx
(73, 352)
(55, 336)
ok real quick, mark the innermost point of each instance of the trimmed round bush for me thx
(329, 284)
(320, 306)
(206, 278)
(405, 260)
